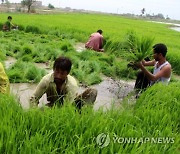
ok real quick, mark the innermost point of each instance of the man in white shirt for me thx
(162, 68)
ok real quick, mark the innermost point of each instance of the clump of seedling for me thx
(140, 47)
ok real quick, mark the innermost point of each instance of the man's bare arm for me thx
(164, 72)
(148, 63)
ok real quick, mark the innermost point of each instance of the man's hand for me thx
(139, 64)
(33, 103)
(132, 65)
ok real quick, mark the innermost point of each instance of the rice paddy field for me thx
(150, 124)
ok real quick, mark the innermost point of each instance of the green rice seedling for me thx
(21, 27)
(34, 74)
(9, 53)
(26, 58)
(2, 56)
(88, 54)
(87, 72)
(63, 129)
(19, 64)
(93, 78)
(130, 40)
(107, 70)
(93, 66)
(36, 54)
(1, 24)
(140, 48)
(79, 75)
(121, 71)
(39, 59)
(15, 75)
(17, 49)
(53, 54)
(33, 29)
(109, 59)
(27, 49)
(114, 47)
(31, 72)
(44, 40)
(66, 46)
(75, 61)
(55, 32)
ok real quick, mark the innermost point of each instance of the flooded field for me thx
(109, 91)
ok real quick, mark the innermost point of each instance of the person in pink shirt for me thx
(95, 41)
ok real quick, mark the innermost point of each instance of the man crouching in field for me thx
(95, 41)
(60, 86)
(162, 69)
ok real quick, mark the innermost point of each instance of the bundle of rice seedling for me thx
(140, 48)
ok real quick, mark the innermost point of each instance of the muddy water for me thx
(109, 92)
(44, 66)
(9, 62)
(173, 26)
(23, 92)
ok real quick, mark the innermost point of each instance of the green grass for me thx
(80, 26)
(63, 130)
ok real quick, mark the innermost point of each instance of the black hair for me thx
(160, 48)
(9, 17)
(62, 63)
(100, 31)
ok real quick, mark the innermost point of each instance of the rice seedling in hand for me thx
(140, 48)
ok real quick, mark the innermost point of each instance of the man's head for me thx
(61, 68)
(9, 18)
(100, 31)
(159, 50)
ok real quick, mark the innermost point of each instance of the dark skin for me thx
(164, 72)
(59, 78)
